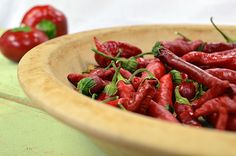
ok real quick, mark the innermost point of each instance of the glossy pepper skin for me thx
(56, 22)
(223, 74)
(14, 43)
(163, 95)
(215, 60)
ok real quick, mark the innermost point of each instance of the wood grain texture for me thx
(42, 73)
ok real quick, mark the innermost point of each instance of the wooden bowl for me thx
(43, 71)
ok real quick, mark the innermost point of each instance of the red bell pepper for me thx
(47, 19)
(14, 43)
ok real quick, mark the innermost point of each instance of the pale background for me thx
(90, 14)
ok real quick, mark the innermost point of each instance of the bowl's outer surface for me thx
(43, 71)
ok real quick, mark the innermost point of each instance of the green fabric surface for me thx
(26, 131)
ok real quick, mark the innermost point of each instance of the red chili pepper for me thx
(193, 71)
(134, 103)
(215, 60)
(103, 96)
(47, 19)
(163, 95)
(159, 111)
(231, 52)
(156, 68)
(103, 73)
(217, 47)
(114, 103)
(184, 110)
(135, 81)
(112, 48)
(14, 43)
(125, 90)
(196, 74)
(143, 62)
(231, 124)
(222, 119)
(74, 78)
(185, 114)
(223, 74)
(90, 85)
(213, 106)
(181, 47)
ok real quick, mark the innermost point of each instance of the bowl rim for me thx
(162, 136)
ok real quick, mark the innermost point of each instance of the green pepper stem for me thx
(182, 35)
(121, 106)
(227, 38)
(143, 54)
(110, 99)
(150, 75)
(104, 55)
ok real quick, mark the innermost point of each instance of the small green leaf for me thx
(85, 84)
(110, 99)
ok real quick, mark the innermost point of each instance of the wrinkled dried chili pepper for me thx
(213, 105)
(195, 73)
(181, 47)
(215, 60)
(223, 74)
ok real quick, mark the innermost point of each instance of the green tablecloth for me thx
(25, 131)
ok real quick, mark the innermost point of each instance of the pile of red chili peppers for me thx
(184, 81)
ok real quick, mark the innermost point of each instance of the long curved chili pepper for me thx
(181, 47)
(212, 47)
(156, 68)
(213, 105)
(222, 118)
(163, 95)
(231, 52)
(205, 59)
(223, 74)
(158, 111)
